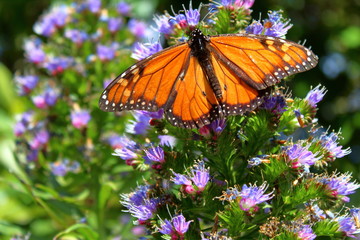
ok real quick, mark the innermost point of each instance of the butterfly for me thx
(207, 77)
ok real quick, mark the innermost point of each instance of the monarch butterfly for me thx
(206, 78)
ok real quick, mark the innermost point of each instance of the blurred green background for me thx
(331, 28)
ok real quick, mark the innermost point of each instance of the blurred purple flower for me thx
(22, 123)
(138, 28)
(80, 118)
(26, 84)
(106, 53)
(61, 168)
(142, 121)
(46, 99)
(114, 24)
(163, 25)
(200, 175)
(142, 51)
(117, 141)
(56, 65)
(55, 18)
(349, 227)
(125, 153)
(32, 155)
(76, 36)
(33, 50)
(40, 139)
(93, 5)
(167, 140)
(124, 8)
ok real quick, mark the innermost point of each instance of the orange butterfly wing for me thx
(174, 80)
(246, 63)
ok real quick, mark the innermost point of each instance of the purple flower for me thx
(76, 36)
(231, 4)
(329, 142)
(348, 227)
(124, 8)
(252, 196)
(218, 125)
(255, 28)
(93, 5)
(305, 233)
(117, 141)
(26, 83)
(163, 24)
(192, 16)
(155, 154)
(167, 140)
(106, 53)
(39, 140)
(56, 65)
(139, 204)
(178, 226)
(300, 156)
(200, 175)
(22, 123)
(340, 185)
(315, 95)
(138, 28)
(61, 168)
(125, 153)
(46, 99)
(166, 227)
(246, 4)
(142, 51)
(33, 50)
(315, 211)
(32, 155)
(275, 104)
(57, 17)
(142, 121)
(114, 24)
(275, 25)
(80, 118)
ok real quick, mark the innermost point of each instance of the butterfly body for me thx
(207, 78)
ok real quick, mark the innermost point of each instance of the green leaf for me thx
(78, 231)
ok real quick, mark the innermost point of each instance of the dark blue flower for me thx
(274, 103)
(106, 53)
(56, 65)
(93, 5)
(275, 25)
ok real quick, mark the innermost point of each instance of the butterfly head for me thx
(198, 42)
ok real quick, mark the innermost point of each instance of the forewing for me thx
(261, 61)
(148, 84)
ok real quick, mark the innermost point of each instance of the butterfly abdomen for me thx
(200, 51)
